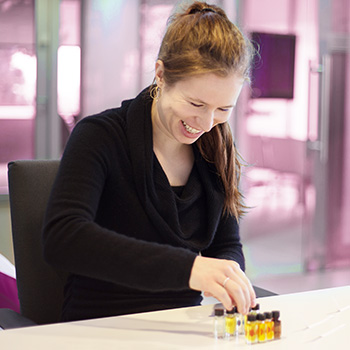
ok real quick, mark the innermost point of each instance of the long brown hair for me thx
(201, 39)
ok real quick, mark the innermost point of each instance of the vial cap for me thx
(251, 318)
(256, 307)
(260, 317)
(275, 314)
(219, 312)
(230, 312)
(268, 315)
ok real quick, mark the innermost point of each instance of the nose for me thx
(207, 121)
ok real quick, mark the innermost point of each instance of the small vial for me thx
(219, 324)
(230, 322)
(251, 335)
(254, 311)
(260, 318)
(277, 327)
(269, 326)
(240, 324)
(245, 320)
(238, 321)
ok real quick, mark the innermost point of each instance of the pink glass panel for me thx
(68, 83)
(69, 62)
(17, 84)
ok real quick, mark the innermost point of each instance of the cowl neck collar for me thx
(157, 196)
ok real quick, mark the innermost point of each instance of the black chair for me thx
(40, 286)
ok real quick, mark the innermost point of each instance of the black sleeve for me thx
(227, 244)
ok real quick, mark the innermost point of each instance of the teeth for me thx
(189, 129)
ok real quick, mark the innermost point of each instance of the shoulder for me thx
(110, 122)
(113, 117)
(110, 127)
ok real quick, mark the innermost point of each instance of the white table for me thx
(311, 320)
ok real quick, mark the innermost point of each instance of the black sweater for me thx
(114, 222)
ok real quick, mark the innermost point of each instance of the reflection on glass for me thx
(17, 84)
(69, 64)
(68, 83)
(18, 72)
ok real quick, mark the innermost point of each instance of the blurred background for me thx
(63, 60)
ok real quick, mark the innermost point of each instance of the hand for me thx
(209, 275)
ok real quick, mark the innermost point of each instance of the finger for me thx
(247, 291)
(239, 296)
(236, 268)
(233, 292)
(221, 294)
(240, 290)
(245, 282)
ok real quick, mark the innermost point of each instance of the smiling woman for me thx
(204, 42)
(178, 122)
(144, 211)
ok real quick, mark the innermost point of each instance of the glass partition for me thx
(17, 84)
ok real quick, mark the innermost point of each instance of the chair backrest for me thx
(40, 287)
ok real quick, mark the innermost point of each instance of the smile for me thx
(190, 129)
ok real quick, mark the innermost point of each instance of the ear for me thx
(159, 73)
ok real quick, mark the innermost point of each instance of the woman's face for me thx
(191, 107)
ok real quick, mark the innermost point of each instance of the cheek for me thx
(222, 118)
(180, 112)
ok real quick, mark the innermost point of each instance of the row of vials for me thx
(256, 327)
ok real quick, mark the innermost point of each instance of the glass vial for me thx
(238, 321)
(219, 324)
(269, 326)
(251, 335)
(230, 323)
(245, 321)
(254, 311)
(260, 318)
(240, 324)
(277, 327)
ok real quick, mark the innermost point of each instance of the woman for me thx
(145, 207)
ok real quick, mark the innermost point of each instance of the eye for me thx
(224, 109)
(196, 105)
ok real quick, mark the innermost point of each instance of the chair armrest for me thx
(11, 319)
(260, 292)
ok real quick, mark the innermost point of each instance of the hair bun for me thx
(200, 7)
(206, 9)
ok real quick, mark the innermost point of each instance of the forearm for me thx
(92, 251)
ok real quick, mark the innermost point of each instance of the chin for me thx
(190, 141)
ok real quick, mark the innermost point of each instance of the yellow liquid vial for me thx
(262, 332)
(251, 330)
(230, 325)
(269, 330)
(260, 318)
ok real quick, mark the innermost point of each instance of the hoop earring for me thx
(155, 92)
